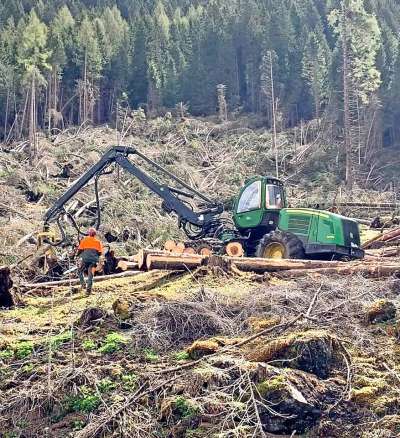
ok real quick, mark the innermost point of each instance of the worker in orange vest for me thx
(90, 249)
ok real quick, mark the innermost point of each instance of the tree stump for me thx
(6, 299)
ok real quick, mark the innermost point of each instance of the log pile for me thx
(391, 237)
(163, 260)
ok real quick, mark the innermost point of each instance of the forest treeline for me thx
(69, 61)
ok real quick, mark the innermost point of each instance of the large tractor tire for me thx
(280, 245)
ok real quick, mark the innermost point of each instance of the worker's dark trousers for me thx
(85, 266)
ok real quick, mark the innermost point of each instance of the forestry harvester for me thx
(261, 225)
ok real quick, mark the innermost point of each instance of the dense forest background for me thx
(65, 62)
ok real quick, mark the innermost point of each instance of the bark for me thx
(75, 281)
(127, 266)
(374, 270)
(270, 265)
(346, 103)
(6, 299)
(174, 262)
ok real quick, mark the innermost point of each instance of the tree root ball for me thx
(381, 311)
(311, 351)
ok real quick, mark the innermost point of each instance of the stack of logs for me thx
(147, 260)
(384, 244)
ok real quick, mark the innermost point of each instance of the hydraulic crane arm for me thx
(205, 220)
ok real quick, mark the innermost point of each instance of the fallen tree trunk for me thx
(6, 299)
(384, 252)
(127, 266)
(368, 270)
(75, 281)
(384, 237)
(248, 264)
(180, 262)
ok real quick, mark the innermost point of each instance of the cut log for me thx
(75, 281)
(170, 246)
(180, 248)
(270, 265)
(181, 262)
(189, 250)
(234, 249)
(205, 251)
(127, 266)
(143, 253)
(371, 270)
(6, 299)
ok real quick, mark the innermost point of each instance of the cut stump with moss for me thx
(311, 351)
(381, 311)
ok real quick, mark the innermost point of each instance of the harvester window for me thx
(251, 198)
(274, 197)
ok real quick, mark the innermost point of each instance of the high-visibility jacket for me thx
(90, 249)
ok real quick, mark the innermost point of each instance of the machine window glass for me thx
(274, 197)
(251, 198)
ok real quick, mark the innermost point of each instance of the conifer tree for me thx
(32, 57)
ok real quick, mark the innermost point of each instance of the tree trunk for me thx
(346, 103)
(273, 108)
(6, 115)
(32, 123)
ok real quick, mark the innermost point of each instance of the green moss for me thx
(365, 395)
(112, 343)
(274, 384)
(185, 408)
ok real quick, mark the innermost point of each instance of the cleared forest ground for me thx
(166, 354)
(190, 354)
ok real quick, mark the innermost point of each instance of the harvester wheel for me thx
(280, 245)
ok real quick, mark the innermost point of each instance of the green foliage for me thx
(85, 401)
(88, 345)
(56, 341)
(150, 355)
(181, 355)
(18, 350)
(129, 381)
(23, 349)
(6, 353)
(106, 385)
(112, 343)
(362, 34)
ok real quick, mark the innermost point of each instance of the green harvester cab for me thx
(273, 230)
